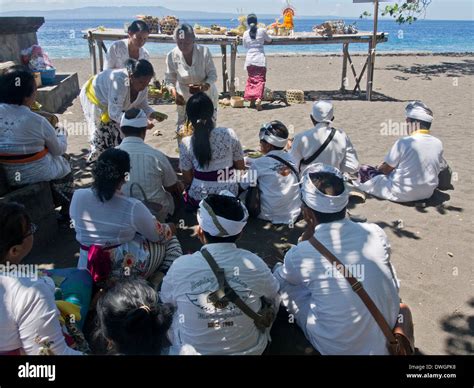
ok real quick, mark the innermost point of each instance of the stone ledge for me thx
(55, 97)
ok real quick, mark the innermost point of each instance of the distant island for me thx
(127, 12)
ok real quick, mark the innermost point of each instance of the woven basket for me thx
(295, 96)
(168, 24)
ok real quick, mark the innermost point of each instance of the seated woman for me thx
(131, 321)
(118, 235)
(28, 312)
(208, 158)
(132, 47)
(31, 150)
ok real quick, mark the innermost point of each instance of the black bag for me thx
(445, 177)
(252, 201)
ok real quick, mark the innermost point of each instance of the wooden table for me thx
(97, 48)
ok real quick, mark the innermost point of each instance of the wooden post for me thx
(345, 50)
(225, 75)
(233, 60)
(91, 41)
(372, 48)
(100, 44)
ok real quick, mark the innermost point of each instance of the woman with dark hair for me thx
(131, 321)
(108, 94)
(31, 150)
(208, 158)
(119, 236)
(28, 311)
(190, 69)
(255, 63)
(132, 47)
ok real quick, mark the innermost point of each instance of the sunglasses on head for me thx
(267, 129)
(32, 230)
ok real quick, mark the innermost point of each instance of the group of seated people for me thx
(152, 299)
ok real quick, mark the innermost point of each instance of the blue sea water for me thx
(64, 38)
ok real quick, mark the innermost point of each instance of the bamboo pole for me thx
(372, 50)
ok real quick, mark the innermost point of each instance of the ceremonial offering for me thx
(186, 130)
(237, 102)
(287, 27)
(168, 24)
(152, 22)
(335, 27)
(240, 30)
(201, 30)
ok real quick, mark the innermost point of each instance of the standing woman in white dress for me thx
(132, 47)
(190, 69)
(255, 63)
(107, 95)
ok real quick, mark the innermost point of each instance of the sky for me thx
(439, 9)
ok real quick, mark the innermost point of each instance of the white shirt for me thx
(113, 91)
(152, 170)
(417, 160)
(118, 53)
(333, 316)
(280, 201)
(225, 150)
(28, 310)
(256, 52)
(109, 223)
(340, 153)
(180, 75)
(25, 132)
(197, 323)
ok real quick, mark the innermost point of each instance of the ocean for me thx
(64, 38)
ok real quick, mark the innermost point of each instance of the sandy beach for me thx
(432, 253)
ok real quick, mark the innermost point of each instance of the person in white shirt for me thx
(211, 158)
(211, 329)
(112, 228)
(339, 153)
(105, 96)
(132, 47)
(131, 321)
(255, 62)
(28, 313)
(31, 150)
(332, 316)
(150, 168)
(410, 170)
(190, 69)
(276, 176)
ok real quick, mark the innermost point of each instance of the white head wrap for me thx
(323, 111)
(218, 226)
(141, 121)
(317, 200)
(274, 140)
(417, 110)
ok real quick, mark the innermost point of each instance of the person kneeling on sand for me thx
(210, 323)
(332, 316)
(410, 170)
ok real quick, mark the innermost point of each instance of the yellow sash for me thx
(90, 93)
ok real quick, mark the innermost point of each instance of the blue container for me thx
(48, 77)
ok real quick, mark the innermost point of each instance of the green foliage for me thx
(407, 11)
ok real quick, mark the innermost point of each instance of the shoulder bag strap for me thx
(226, 291)
(312, 158)
(358, 288)
(286, 163)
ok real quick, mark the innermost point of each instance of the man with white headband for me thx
(323, 143)
(211, 330)
(410, 170)
(150, 168)
(329, 312)
(276, 176)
